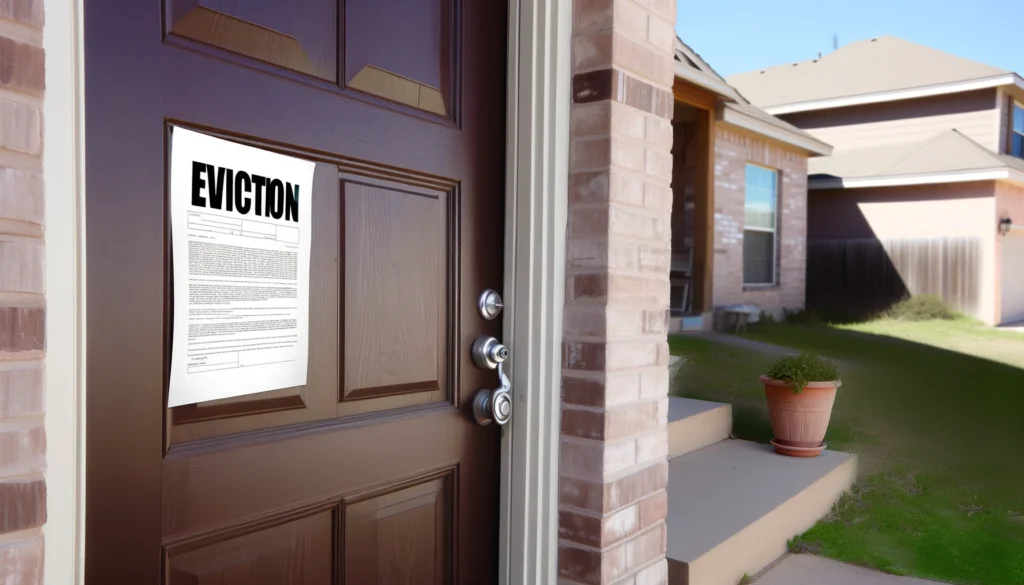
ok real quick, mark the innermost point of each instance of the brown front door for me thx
(374, 472)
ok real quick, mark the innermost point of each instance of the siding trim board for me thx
(1003, 173)
(896, 95)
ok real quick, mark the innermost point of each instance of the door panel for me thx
(401, 536)
(396, 295)
(420, 76)
(300, 35)
(315, 400)
(374, 471)
(295, 553)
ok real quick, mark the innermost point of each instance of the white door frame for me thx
(537, 179)
(64, 179)
(536, 183)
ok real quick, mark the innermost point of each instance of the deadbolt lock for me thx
(488, 352)
(489, 304)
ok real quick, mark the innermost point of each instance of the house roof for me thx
(736, 109)
(948, 156)
(874, 67)
(761, 122)
(693, 68)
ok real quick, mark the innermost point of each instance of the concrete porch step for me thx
(694, 424)
(733, 506)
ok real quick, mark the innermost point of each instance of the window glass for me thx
(760, 225)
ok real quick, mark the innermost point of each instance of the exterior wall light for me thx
(1004, 226)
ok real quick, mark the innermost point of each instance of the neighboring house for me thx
(925, 190)
(739, 213)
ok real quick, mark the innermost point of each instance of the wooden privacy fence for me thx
(857, 279)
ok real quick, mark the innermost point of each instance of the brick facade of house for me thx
(22, 289)
(613, 468)
(733, 150)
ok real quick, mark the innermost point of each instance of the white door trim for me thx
(539, 80)
(64, 179)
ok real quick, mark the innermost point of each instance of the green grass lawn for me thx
(935, 411)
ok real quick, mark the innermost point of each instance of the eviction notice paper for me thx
(240, 229)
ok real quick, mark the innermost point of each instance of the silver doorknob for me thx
(492, 405)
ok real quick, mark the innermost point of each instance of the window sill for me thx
(761, 287)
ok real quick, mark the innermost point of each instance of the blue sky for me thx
(740, 35)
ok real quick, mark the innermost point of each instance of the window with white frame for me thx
(1017, 131)
(760, 226)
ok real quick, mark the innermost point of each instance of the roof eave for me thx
(703, 81)
(900, 94)
(784, 135)
(990, 174)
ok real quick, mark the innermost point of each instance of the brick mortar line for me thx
(660, 559)
(22, 355)
(28, 99)
(16, 228)
(585, 442)
(613, 476)
(642, 142)
(646, 210)
(21, 300)
(20, 536)
(612, 407)
(27, 477)
(615, 167)
(20, 365)
(613, 511)
(21, 161)
(608, 339)
(621, 239)
(25, 422)
(601, 374)
(577, 70)
(20, 420)
(640, 210)
(597, 270)
(618, 543)
(612, 303)
(21, 32)
(18, 238)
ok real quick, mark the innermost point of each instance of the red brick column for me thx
(22, 301)
(613, 468)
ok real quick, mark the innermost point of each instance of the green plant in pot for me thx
(800, 391)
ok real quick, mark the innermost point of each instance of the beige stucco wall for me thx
(975, 114)
(953, 210)
(1009, 253)
(733, 150)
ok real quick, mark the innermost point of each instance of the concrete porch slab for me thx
(814, 570)
(695, 424)
(733, 506)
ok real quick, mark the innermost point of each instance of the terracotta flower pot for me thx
(799, 421)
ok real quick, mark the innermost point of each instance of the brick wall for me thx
(733, 150)
(613, 468)
(22, 306)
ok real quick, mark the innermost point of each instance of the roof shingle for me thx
(865, 67)
(946, 152)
